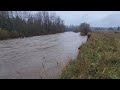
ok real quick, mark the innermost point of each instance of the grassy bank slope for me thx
(5, 34)
(99, 58)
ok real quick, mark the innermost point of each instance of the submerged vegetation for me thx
(99, 58)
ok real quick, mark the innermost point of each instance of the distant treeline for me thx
(25, 23)
(71, 28)
(76, 28)
(108, 28)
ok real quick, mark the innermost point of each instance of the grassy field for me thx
(99, 58)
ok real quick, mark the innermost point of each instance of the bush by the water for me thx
(4, 34)
(84, 29)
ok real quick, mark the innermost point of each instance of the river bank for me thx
(6, 35)
(98, 58)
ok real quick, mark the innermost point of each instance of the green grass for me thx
(99, 58)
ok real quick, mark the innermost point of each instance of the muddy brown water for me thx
(39, 57)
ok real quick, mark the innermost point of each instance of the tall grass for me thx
(99, 58)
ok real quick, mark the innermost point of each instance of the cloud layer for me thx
(95, 18)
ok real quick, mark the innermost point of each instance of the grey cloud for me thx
(95, 18)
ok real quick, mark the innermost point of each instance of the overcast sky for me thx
(95, 18)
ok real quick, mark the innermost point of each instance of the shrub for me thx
(13, 34)
(84, 29)
(4, 34)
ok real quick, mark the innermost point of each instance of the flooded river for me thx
(38, 57)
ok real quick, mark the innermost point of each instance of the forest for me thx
(15, 24)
